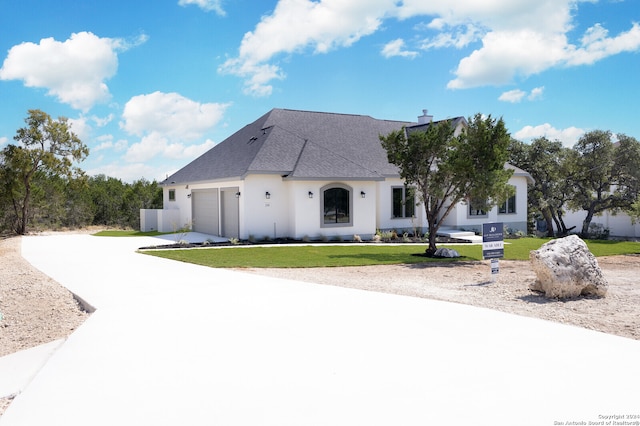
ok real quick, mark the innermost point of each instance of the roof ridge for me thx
(295, 166)
(343, 114)
(451, 119)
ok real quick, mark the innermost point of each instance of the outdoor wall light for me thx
(267, 195)
(310, 194)
(238, 194)
(362, 194)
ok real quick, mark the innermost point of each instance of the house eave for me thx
(334, 178)
(265, 172)
(196, 182)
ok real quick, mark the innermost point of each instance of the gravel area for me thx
(469, 283)
(35, 308)
(38, 310)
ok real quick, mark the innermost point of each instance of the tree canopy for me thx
(447, 168)
(46, 148)
(546, 163)
(596, 175)
(41, 186)
(603, 175)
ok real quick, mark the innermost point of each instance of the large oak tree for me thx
(546, 163)
(46, 149)
(447, 169)
(604, 175)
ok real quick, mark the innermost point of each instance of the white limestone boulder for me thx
(446, 252)
(565, 268)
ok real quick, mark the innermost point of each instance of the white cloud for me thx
(459, 37)
(505, 55)
(102, 121)
(207, 5)
(257, 76)
(194, 151)
(150, 146)
(83, 128)
(493, 15)
(536, 93)
(170, 114)
(297, 25)
(596, 45)
(517, 95)
(512, 96)
(519, 39)
(74, 71)
(3, 140)
(528, 51)
(105, 142)
(129, 172)
(568, 136)
(156, 144)
(165, 122)
(397, 48)
(121, 145)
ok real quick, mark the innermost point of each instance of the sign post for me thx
(493, 246)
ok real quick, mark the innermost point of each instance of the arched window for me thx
(336, 205)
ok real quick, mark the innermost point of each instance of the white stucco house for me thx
(300, 174)
(619, 224)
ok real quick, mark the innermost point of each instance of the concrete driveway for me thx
(173, 343)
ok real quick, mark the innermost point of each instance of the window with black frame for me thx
(404, 204)
(508, 206)
(477, 208)
(336, 202)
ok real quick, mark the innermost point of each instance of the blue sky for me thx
(150, 85)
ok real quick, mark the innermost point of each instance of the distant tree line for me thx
(40, 188)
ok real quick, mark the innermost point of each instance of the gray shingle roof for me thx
(298, 145)
(422, 127)
(303, 145)
(519, 172)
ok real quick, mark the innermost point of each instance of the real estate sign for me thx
(492, 240)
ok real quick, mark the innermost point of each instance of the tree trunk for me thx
(563, 230)
(585, 224)
(25, 208)
(433, 233)
(554, 216)
(546, 213)
(23, 219)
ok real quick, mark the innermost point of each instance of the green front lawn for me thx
(361, 255)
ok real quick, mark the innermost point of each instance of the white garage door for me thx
(230, 213)
(204, 205)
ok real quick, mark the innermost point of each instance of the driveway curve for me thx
(174, 343)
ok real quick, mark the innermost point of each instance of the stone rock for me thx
(565, 268)
(446, 252)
